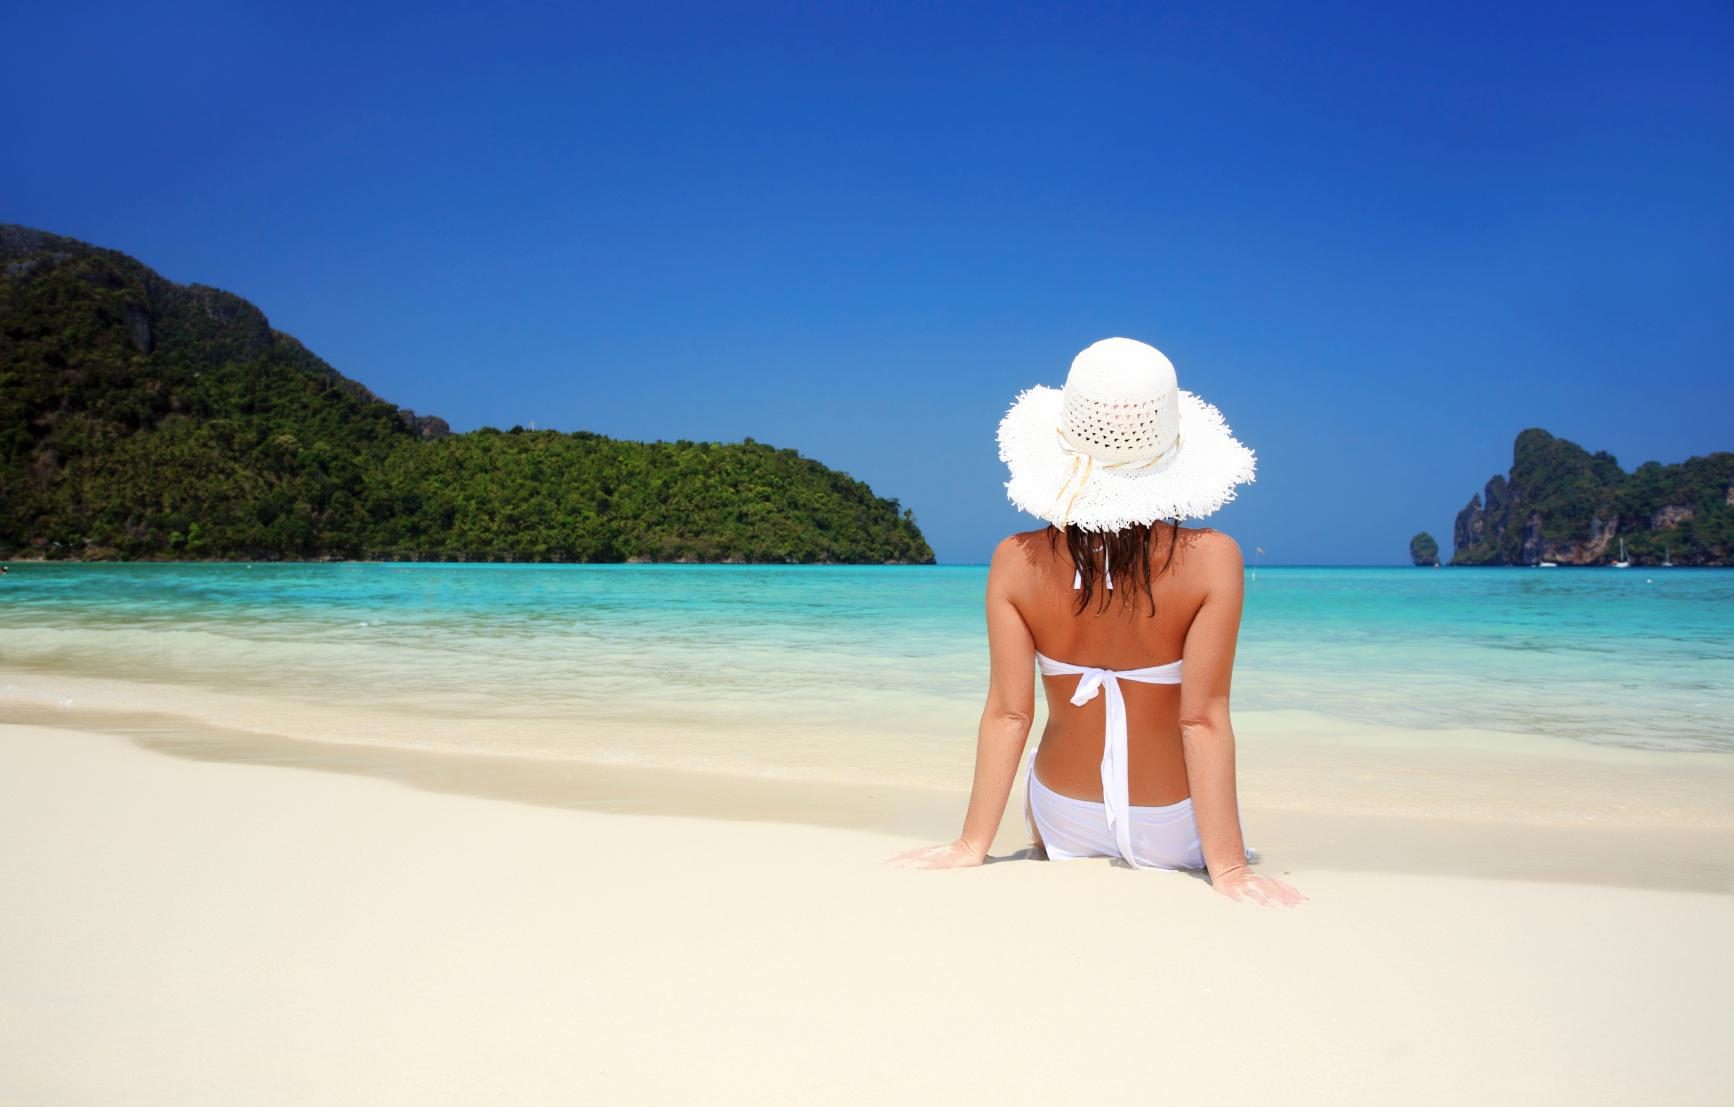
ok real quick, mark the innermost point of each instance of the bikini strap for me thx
(1107, 571)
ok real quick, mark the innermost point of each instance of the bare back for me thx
(1122, 636)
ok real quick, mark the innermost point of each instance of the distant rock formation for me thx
(1423, 550)
(1561, 503)
(424, 426)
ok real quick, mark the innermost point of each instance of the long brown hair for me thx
(1128, 547)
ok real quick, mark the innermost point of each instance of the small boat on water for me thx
(1547, 564)
(1667, 557)
(1622, 563)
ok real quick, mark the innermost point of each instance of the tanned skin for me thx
(1180, 738)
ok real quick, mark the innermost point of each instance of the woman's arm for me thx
(1005, 721)
(1207, 735)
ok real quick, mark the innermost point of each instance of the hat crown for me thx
(1121, 402)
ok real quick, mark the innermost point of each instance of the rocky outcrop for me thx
(1670, 516)
(138, 327)
(1470, 526)
(1423, 550)
(425, 426)
(1563, 504)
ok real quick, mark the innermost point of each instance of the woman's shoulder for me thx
(1213, 565)
(1022, 539)
(1213, 546)
(1019, 550)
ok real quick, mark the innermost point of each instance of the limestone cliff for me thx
(1564, 504)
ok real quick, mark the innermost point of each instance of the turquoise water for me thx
(759, 666)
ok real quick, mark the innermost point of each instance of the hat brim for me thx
(1197, 479)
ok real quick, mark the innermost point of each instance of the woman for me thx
(1136, 761)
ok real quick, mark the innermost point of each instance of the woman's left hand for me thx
(952, 855)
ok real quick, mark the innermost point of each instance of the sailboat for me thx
(1622, 563)
(1667, 557)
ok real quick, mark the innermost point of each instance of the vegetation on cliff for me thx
(1564, 504)
(1423, 549)
(145, 419)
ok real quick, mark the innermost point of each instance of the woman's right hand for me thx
(1242, 883)
(952, 855)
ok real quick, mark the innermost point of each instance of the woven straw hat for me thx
(1122, 444)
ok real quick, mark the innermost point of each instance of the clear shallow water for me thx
(755, 666)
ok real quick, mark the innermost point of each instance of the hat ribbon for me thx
(1082, 463)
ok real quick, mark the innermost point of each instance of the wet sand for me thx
(1310, 797)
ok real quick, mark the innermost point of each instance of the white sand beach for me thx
(181, 931)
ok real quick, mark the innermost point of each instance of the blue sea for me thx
(835, 670)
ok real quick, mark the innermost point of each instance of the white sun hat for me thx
(1121, 445)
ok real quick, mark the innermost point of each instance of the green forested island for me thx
(1563, 504)
(143, 419)
(1423, 550)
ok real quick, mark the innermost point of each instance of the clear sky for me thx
(1383, 238)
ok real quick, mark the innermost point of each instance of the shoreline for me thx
(1608, 845)
(39, 560)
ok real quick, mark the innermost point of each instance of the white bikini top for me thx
(1116, 786)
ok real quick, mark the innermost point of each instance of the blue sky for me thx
(1382, 238)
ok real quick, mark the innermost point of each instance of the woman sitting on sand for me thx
(1135, 761)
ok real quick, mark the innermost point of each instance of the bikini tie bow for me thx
(1089, 685)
